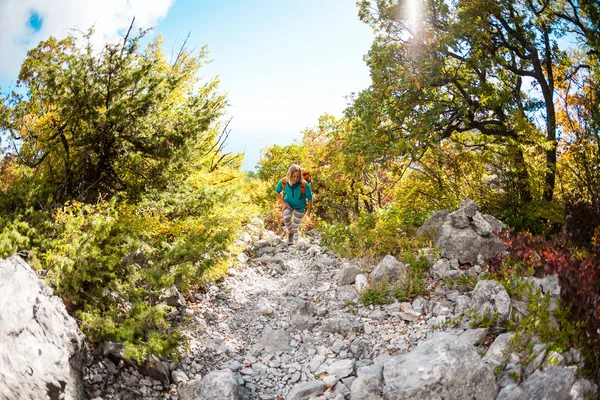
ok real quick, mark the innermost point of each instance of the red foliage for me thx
(578, 272)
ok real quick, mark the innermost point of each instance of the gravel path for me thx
(285, 315)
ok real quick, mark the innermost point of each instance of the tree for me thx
(116, 185)
(478, 65)
(580, 146)
(345, 184)
(99, 124)
(275, 161)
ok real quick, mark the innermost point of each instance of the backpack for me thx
(305, 175)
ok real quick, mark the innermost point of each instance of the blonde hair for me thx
(294, 168)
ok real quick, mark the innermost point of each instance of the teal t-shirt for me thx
(293, 196)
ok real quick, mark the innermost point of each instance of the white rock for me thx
(360, 282)
(341, 369)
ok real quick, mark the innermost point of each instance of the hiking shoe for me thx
(290, 238)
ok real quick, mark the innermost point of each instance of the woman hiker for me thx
(295, 196)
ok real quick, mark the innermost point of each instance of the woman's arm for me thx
(283, 203)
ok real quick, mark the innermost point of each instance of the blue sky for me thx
(281, 63)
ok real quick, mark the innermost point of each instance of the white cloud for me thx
(110, 18)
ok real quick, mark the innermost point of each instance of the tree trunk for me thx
(547, 86)
(522, 178)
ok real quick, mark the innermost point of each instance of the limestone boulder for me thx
(42, 350)
(553, 383)
(217, 385)
(306, 390)
(433, 223)
(442, 367)
(368, 384)
(467, 245)
(389, 269)
(465, 234)
(490, 298)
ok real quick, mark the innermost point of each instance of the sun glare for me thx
(412, 13)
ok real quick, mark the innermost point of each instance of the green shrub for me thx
(412, 285)
(466, 282)
(113, 299)
(111, 261)
(376, 293)
(414, 282)
(372, 235)
(351, 307)
(485, 320)
(14, 237)
(538, 217)
(24, 234)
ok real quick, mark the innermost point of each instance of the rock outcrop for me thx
(465, 234)
(389, 269)
(443, 367)
(42, 351)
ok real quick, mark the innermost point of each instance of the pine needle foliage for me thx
(116, 186)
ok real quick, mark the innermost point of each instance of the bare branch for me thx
(127, 37)
(182, 49)
(217, 143)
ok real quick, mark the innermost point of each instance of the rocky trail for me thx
(286, 323)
